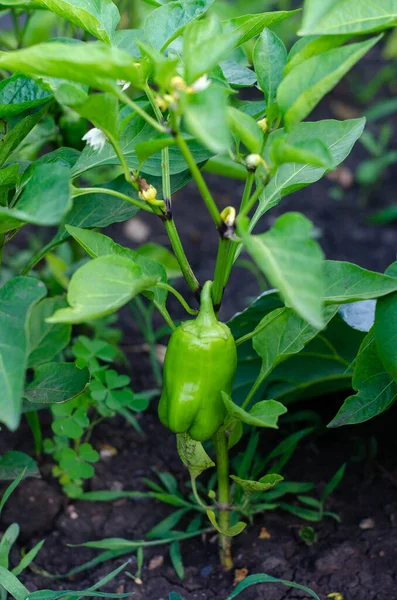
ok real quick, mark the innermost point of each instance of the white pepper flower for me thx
(200, 84)
(95, 138)
(124, 84)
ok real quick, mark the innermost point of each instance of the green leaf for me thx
(160, 254)
(28, 559)
(99, 17)
(101, 287)
(310, 46)
(270, 58)
(305, 85)
(292, 262)
(301, 512)
(311, 152)
(205, 117)
(14, 464)
(17, 298)
(97, 244)
(347, 16)
(263, 578)
(167, 22)
(19, 93)
(238, 75)
(262, 414)
(163, 529)
(55, 383)
(46, 340)
(176, 559)
(346, 282)
(50, 183)
(14, 137)
(7, 541)
(385, 329)
(231, 531)
(338, 136)
(94, 64)
(265, 483)
(249, 26)
(138, 132)
(193, 455)
(377, 390)
(333, 484)
(205, 46)
(282, 333)
(246, 129)
(103, 111)
(12, 585)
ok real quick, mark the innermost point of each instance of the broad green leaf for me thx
(283, 333)
(263, 578)
(292, 262)
(14, 137)
(270, 57)
(17, 298)
(160, 254)
(204, 47)
(99, 17)
(346, 282)
(246, 321)
(305, 85)
(14, 464)
(101, 287)
(93, 64)
(347, 16)
(231, 531)
(193, 455)
(310, 46)
(137, 132)
(13, 585)
(265, 483)
(97, 244)
(385, 329)
(46, 340)
(377, 390)
(44, 201)
(311, 152)
(238, 75)
(9, 177)
(55, 383)
(338, 136)
(205, 117)
(263, 414)
(167, 22)
(249, 26)
(246, 129)
(103, 111)
(19, 93)
(126, 39)
(359, 315)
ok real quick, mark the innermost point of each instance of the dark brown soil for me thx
(357, 562)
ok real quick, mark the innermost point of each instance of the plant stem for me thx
(138, 203)
(219, 276)
(247, 190)
(169, 288)
(17, 27)
(169, 224)
(252, 201)
(123, 162)
(260, 379)
(166, 316)
(127, 100)
(222, 465)
(179, 252)
(196, 174)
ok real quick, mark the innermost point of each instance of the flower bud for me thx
(263, 125)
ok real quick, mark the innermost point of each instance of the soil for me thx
(357, 558)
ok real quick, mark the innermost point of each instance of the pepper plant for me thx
(164, 103)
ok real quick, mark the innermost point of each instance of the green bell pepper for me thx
(200, 364)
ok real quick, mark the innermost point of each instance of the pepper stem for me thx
(206, 316)
(222, 465)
